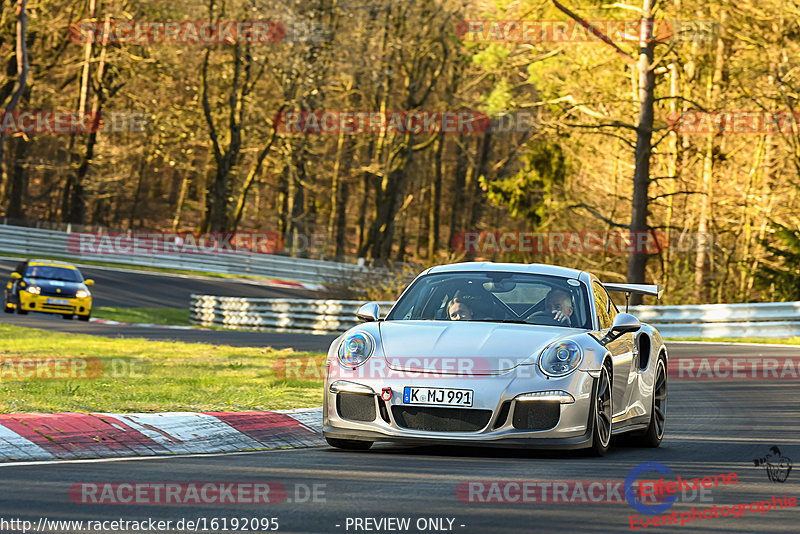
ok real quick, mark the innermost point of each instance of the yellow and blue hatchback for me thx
(47, 286)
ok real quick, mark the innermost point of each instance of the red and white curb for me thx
(53, 436)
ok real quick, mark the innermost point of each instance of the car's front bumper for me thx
(573, 428)
(47, 304)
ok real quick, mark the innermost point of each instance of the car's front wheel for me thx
(601, 410)
(84, 317)
(67, 316)
(658, 416)
(349, 444)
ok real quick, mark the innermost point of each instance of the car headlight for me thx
(355, 349)
(34, 289)
(82, 294)
(561, 358)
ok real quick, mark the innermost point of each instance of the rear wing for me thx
(654, 290)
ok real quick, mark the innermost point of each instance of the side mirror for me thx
(89, 282)
(15, 275)
(625, 322)
(369, 312)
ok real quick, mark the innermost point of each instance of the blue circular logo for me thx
(630, 494)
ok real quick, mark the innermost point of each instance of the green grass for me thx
(764, 340)
(136, 375)
(170, 316)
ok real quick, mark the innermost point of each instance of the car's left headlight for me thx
(356, 349)
(561, 358)
(82, 294)
(34, 289)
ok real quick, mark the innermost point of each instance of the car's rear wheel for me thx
(67, 316)
(349, 444)
(658, 416)
(601, 411)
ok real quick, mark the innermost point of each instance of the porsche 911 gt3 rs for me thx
(499, 354)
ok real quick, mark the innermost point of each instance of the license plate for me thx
(61, 302)
(437, 396)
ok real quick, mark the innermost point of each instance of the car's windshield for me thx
(496, 297)
(49, 272)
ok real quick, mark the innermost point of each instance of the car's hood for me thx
(464, 347)
(55, 285)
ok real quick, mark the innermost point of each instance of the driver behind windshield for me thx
(457, 310)
(558, 306)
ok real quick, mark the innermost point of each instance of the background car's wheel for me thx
(7, 308)
(67, 316)
(601, 411)
(349, 444)
(658, 415)
(84, 317)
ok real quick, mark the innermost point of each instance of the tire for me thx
(601, 415)
(67, 316)
(349, 444)
(658, 415)
(84, 317)
(20, 310)
(7, 308)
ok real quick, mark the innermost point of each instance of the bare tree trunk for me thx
(703, 256)
(436, 200)
(21, 82)
(637, 260)
(176, 219)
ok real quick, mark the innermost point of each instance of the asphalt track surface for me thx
(713, 427)
(141, 289)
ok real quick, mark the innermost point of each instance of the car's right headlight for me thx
(355, 349)
(34, 289)
(82, 294)
(561, 358)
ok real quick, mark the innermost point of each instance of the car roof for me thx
(51, 263)
(532, 268)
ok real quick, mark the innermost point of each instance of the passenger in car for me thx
(558, 306)
(457, 310)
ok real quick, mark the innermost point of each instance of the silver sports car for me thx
(499, 354)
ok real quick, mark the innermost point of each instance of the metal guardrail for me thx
(773, 319)
(32, 242)
(282, 315)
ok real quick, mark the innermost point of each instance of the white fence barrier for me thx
(32, 242)
(778, 319)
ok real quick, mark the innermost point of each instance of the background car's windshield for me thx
(53, 273)
(495, 296)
